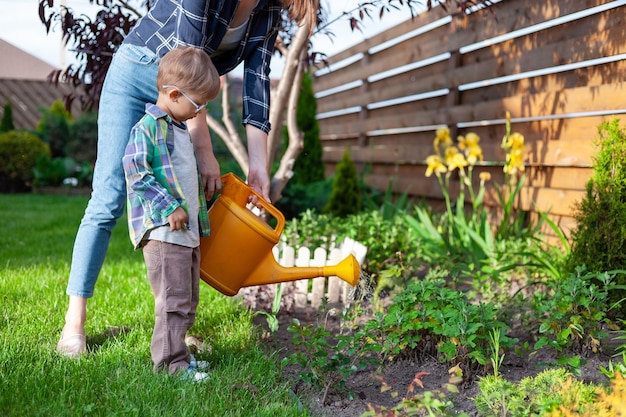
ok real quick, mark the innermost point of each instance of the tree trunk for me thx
(284, 97)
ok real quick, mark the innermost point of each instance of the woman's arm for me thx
(207, 163)
(258, 177)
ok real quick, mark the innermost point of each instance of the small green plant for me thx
(496, 358)
(428, 315)
(570, 312)
(326, 360)
(427, 403)
(271, 317)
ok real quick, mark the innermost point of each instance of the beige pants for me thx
(174, 275)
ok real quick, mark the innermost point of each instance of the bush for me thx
(62, 171)
(297, 198)
(308, 167)
(6, 124)
(82, 144)
(54, 128)
(345, 197)
(599, 238)
(19, 151)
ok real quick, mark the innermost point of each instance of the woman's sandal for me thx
(72, 346)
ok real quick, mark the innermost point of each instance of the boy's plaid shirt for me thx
(153, 189)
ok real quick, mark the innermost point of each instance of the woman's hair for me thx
(303, 11)
(191, 70)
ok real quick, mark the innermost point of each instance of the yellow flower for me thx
(469, 144)
(515, 141)
(455, 159)
(468, 141)
(442, 137)
(474, 153)
(484, 176)
(434, 165)
(514, 162)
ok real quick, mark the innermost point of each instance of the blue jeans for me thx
(130, 83)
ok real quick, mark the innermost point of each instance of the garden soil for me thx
(406, 375)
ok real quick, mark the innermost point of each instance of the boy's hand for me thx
(177, 219)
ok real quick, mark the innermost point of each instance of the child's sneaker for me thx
(198, 365)
(192, 375)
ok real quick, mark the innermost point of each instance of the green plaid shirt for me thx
(153, 189)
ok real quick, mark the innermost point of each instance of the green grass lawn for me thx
(115, 378)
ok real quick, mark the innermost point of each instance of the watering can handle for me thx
(263, 203)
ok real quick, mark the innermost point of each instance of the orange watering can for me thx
(239, 251)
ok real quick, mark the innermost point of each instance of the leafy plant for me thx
(612, 369)
(428, 315)
(271, 317)
(571, 313)
(326, 360)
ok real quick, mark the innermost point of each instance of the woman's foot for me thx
(73, 342)
(72, 346)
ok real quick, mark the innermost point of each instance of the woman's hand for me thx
(207, 163)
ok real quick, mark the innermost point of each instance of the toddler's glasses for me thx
(198, 107)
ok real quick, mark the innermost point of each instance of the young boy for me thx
(167, 210)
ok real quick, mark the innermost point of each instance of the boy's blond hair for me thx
(191, 70)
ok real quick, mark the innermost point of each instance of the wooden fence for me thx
(556, 65)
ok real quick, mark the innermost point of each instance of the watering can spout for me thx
(271, 272)
(238, 253)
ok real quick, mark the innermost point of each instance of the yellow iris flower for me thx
(435, 165)
(515, 141)
(514, 161)
(455, 159)
(442, 137)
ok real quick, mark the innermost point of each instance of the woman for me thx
(231, 32)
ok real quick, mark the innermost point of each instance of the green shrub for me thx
(19, 151)
(534, 396)
(599, 238)
(6, 124)
(345, 197)
(297, 198)
(308, 167)
(54, 128)
(82, 144)
(55, 172)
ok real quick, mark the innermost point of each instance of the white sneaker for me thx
(194, 376)
(198, 365)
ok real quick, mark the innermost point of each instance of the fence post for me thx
(302, 286)
(335, 284)
(319, 259)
